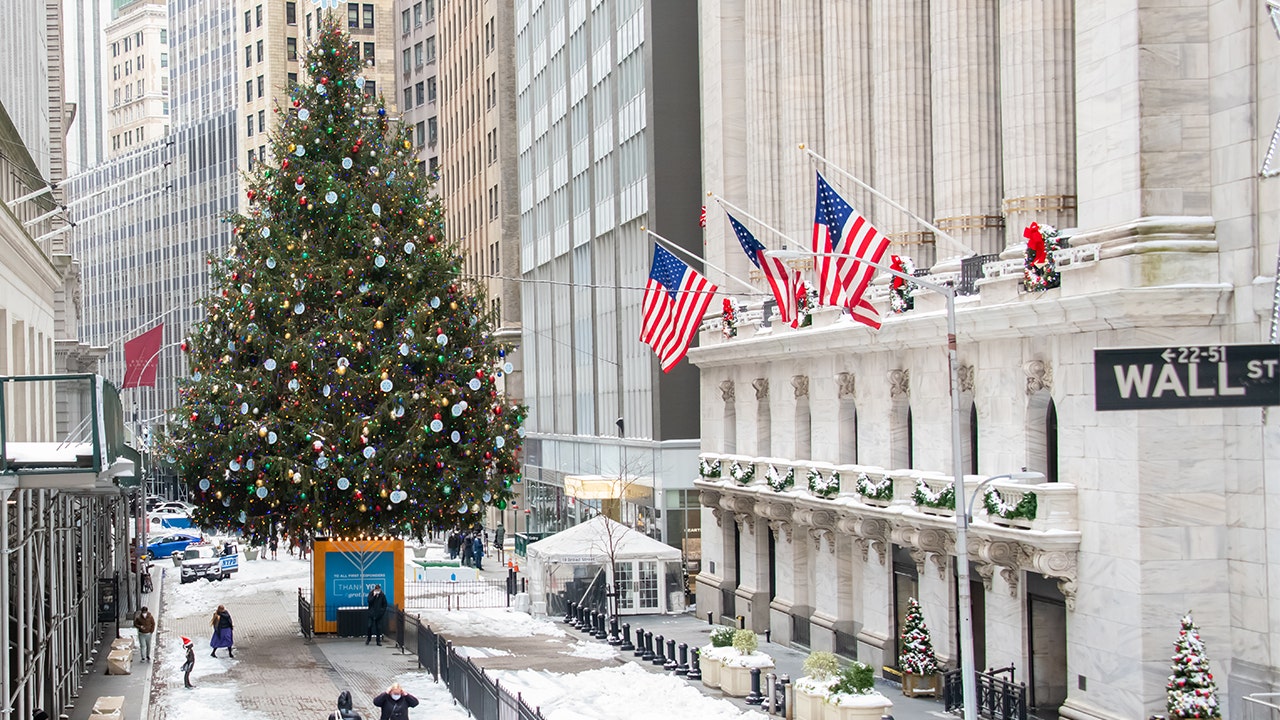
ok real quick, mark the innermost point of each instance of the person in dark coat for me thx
(377, 604)
(395, 703)
(223, 637)
(190, 663)
(453, 546)
(499, 535)
(477, 551)
(344, 711)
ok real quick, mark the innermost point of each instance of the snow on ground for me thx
(490, 622)
(283, 576)
(206, 701)
(592, 650)
(626, 692)
(434, 700)
(478, 652)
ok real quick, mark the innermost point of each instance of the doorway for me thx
(1047, 642)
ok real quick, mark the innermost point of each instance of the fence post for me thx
(695, 668)
(754, 697)
(648, 647)
(614, 639)
(568, 613)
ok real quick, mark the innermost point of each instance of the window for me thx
(293, 79)
(433, 164)
(368, 16)
(308, 24)
(417, 55)
(493, 203)
(408, 98)
(259, 51)
(138, 38)
(431, 8)
(127, 44)
(115, 73)
(431, 49)
(493, 146)
(489, 38)
(404, 61)
(248, 22)
(371, 90)
(291, 13)
(420, 90)
(116, 97)
(422, 133)
(492, 85)
(248, 125)
(417, 14)
(141, 61)
(404, 21)
(128, 67)
(248, 56)
(248, 91)
(252, 156)
(128, 93)
(431, 89)
(164, 59)
(115, 51)
(353, 15)
(291, 48)
(368, 53)
(258, 16)
(431, 131)
(261, 85)
(164, 36)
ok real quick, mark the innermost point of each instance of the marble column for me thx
(753, 593)
(846, 72)
(936, 592)
(875, 638)
(715, 572)
(802, 102)
(787, 578)
(829, 582)
(1037, 114)
(966, 126)
(902, 122)
(763, 106)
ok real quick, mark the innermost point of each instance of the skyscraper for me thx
(136, 77)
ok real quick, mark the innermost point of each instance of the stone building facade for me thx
(1136, 128)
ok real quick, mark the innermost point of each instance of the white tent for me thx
(575, 563)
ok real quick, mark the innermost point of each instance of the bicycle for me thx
(147, 586)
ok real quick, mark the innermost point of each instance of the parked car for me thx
(211, 562)
(166, 545)
(174, 506)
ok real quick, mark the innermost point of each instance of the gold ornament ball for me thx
(453, 306)
(378, 324)
(262, 432)
(341, 370)
(384, 374)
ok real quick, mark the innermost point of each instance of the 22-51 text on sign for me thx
(1191, 376)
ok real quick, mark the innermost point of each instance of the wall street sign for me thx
(1191, 376)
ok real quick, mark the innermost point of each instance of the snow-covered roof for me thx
(589, 543)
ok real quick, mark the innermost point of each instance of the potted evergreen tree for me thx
(919, 664)
(711, 657)
(821, 671)
(1191, 691)
(854, 697)
(735, 674)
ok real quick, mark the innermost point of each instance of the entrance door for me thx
(1047, 624)
(906, 585)
(624, 584)
(647, 588)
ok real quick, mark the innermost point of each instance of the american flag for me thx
(782, 279)
(839, 230)
(702, 218)
(675, 299)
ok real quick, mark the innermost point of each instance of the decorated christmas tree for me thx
(1191, 691)
(345, 380)
(916, 656)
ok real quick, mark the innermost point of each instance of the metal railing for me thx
(305, 619)
(87, 437)
(456, 595)
(998, 699)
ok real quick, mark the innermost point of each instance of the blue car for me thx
(166, 545)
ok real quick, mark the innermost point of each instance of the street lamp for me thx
(967, 669)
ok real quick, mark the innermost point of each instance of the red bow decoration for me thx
(896, 264)
(1035, 242)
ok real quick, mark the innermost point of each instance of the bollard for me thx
(770, 693)
(695, 667)
(783, 682)
(575, 615)
(754, 697)
(600, 633)
(658, 657)
(709, 615)
(742, 622)
(671, 663)
(648, 647)
(682, 667)
(626, 638)
(767, 633)
(614, 639)
(639, 651)
(568, 613)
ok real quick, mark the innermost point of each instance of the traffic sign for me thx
(1186, 376)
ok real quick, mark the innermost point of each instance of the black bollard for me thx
(658, 657)
(600, 633)
(754, 697)
(671, 663)
(640, 634)
(695, 667)
(626, 638)
(614, 638)
(587, 622)
(576, 622)
(682, 667)
(568, 613)
(781, 704)
(647, 655)
(709, 618)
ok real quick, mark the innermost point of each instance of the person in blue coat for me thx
(477, 550)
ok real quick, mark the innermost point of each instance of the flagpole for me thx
(751, 217)
(933, 228)
(704, 261)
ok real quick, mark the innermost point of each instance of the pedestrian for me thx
(395, 703)
(145, 623)
(465, 541)
(499, 535)
(274, 545)
(304, 546)
(223, 637)
(453, 546)
(477, 550)
(190, 664)
(345, 711)
(377, 603)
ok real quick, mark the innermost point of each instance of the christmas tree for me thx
(1191, 691)
(345, 380)
(916, 656)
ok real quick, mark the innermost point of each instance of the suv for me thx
(210, 562)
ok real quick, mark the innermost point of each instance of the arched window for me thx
(1042, 435)
(911, 441)
(730, 426)
(1051, 442)
(847, 453)
(973, 439)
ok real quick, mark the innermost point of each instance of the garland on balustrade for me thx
(996, 506)
(709, 468)
(900, 290)
(743, 474)
(944, 498)
(1039, 268)
(882, 490)
(824, 487)
(778, 482)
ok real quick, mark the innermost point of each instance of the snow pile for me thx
(480, 652)
(490, 622)
(591, 650)
(754, 660)
(625, 692)
(434, 700)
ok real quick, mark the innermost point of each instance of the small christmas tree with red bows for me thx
(1191, 690)
(1039, 267)
(916, 656)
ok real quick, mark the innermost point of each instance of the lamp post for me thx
(967, 668)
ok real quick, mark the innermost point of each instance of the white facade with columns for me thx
(1139, 129)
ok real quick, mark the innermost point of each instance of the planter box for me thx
(848, 712)
(916, 685)
(809, 706)
(736, 681)
(710, 671)
(251, 554)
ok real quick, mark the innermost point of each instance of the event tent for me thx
(574, 565)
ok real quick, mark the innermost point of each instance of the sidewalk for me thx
(135, 687)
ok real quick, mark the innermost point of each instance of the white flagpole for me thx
(753, 218)
(933, 228)
(670, 245)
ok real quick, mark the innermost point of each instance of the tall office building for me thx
(147, 219)
(417, 78)
(607, 118)
(83, 60)
(477, 145)
(136, 77)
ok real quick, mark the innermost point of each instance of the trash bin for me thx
(352, 621)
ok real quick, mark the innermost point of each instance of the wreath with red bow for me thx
(729, 319)
(901, 289)
(1039, 267)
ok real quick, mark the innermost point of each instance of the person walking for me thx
(477, 550)
(499, 535)
(377, 604)
(274, 545)
(395, 703)
(453, 545)
(190, 663)
(345, 711)
(223, 636)
(145, 623)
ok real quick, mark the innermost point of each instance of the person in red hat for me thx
(190, 664)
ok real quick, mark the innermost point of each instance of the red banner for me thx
(140, 358)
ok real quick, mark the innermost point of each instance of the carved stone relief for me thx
(845, 385)
(965, 372)
(762, 388)
(727, 391)
(899, 383)
(1039, 376)
(781, 527)
(800, 384)
(985, 571)
(1011, 576)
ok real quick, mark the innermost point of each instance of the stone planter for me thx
(809, 705)
(735, 681)
(710, 670)
(916, 685)
(251, 553)
(869, 707)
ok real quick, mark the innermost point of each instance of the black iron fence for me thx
(998, 698)
(304, 616)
